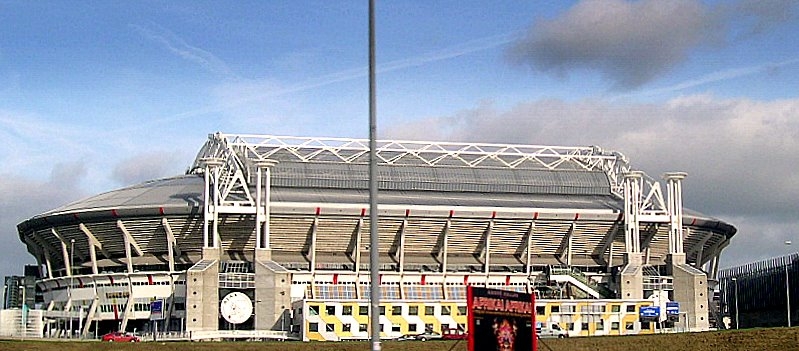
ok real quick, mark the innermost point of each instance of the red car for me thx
(454, 334)
(120, 337)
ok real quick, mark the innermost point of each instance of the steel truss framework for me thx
(239, 155)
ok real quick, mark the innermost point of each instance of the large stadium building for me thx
(267, 237)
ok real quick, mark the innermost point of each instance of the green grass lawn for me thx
(751, 339)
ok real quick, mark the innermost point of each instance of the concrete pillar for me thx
(691, 292)
(202, 294)
(272, 296)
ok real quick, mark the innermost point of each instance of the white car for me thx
(550, 331)
(430, 335)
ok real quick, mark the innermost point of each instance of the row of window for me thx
(347, 310)
(418, 328)
(100, 285)
(355, 327)
(138, 307)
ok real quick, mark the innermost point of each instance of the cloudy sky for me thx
(95, 95)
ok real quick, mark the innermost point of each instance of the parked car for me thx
(428, 335)
(406, 337)
(550, 331)
(454, 334)
(120, 337)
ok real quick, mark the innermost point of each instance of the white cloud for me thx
(147, 166)
(741, 155)
(23, 198)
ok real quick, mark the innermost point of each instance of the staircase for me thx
(576, 278)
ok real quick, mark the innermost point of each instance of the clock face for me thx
(236, 308)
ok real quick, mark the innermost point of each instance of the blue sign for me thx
(157, 310)
(672, 308)
(650, 311)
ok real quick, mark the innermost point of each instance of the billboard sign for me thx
(500, 320)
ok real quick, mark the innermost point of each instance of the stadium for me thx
(267, 237)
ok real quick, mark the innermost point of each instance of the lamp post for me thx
(788, 288)
(735, 281)
(69, 291)
(22, 312)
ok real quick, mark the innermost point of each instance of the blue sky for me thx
(95, 95)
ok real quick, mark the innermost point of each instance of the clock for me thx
(236, 307)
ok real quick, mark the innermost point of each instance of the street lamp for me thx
(22, 311)
(735, 281)
(71, 272)
(788, 288)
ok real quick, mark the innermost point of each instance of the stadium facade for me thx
(267, 237)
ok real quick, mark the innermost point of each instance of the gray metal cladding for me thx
(447, 179)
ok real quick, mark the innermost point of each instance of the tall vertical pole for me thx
(735, 281)
(788, 294)
(788, 286)
(71, 272)
(22, 319)
(374, 265)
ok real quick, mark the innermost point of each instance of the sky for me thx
(97, 95)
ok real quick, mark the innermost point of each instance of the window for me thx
(382, 310)
(363, 310)
(446, 310)
(396, 328)
(630, 308)
(313, 327)
(413, 310)
(600, 325)
(570, 326)
(462, 310)
(429, 310)
(555, 308)
(540, 310)
(396, 310)
(614, 326)
(331, 310)
(313, 310)
(584, 326)
(346, 310)
(428, 327)
(615, 308)
(413, 328)
(629, 325)
(362, 328)
(330, 327)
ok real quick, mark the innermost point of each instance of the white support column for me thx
(211, 200)
(402, 246)
(674, 180)
(529, 267)
(632, 210)
(446, 245)
(93, 244)
(129, 242)
(488, 246)
(358, 245)
(263, 185)
(171, 244)
(569, 248)
(48, 263)
(313, 243)
(64, 252)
